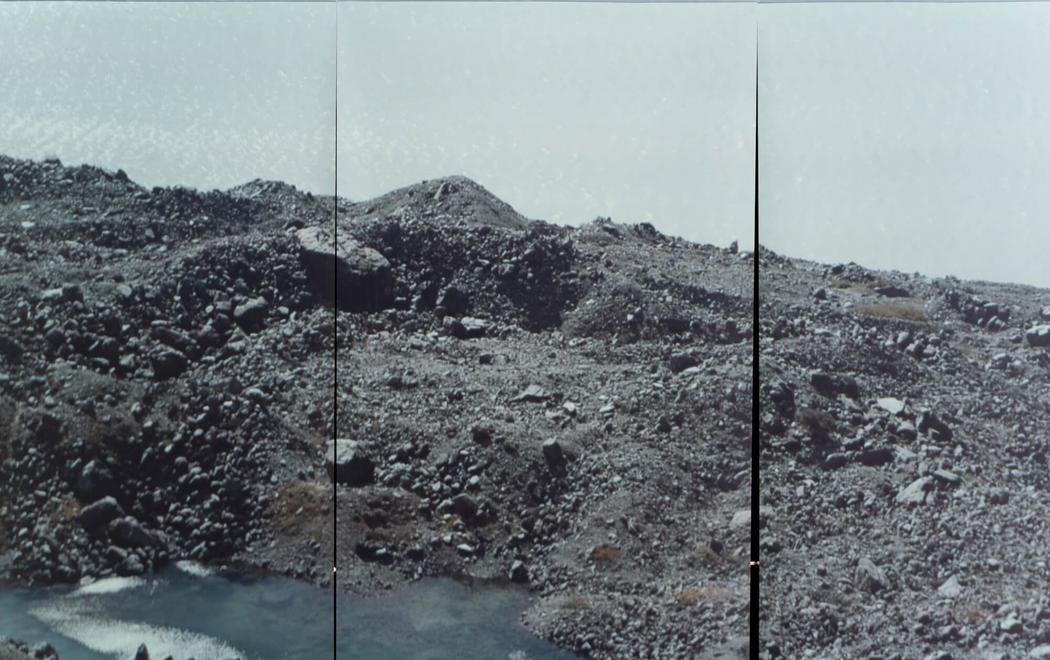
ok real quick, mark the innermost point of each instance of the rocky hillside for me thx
(904, 431)
(564, 408)
(165, 376)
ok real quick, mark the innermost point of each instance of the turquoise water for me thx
(189, 612)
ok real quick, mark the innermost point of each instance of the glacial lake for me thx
(190, 612)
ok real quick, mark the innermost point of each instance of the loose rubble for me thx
(903, 465)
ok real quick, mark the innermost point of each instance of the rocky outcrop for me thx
(340, 267)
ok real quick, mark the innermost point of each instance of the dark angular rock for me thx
(348, 463)
(127, 532)
(95, 481)
(553, 453)
(252, 312)
(834, 384)
(168, 363)
(679, 362)
(361, 276)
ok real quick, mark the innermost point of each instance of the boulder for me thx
(834, 384)
(168, 363)
(100, 513)
(552, 453)
(127, 532)
(252, 312)
(916, 491)
(869, 577)
(348, 462)
(1038, 335)
(519, 573)
(355, 276)
(95, 481)
(679, 362)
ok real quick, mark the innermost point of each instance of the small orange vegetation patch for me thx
(693, 595)
(576, 603)
(301, 503)
(606, 556)
(902, 311)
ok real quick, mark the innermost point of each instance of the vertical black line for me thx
(335, 340)
(755, 490)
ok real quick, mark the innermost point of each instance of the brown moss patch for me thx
(900, 311)
(606, 556)
(301, 503)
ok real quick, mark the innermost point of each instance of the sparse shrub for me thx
(901, 311)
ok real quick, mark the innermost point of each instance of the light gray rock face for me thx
(916, 492)
(348, 463)
(358, 277)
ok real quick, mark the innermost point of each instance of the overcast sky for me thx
(200, 94)
(908, 136)
(567, 111)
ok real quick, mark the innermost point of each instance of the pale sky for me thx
(567, 111)
(908, 136)
(208, 95)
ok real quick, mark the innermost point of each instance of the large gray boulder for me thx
(100, 513)
(127, 532)
(1038, 335)
(355, 276)
(348, 462)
